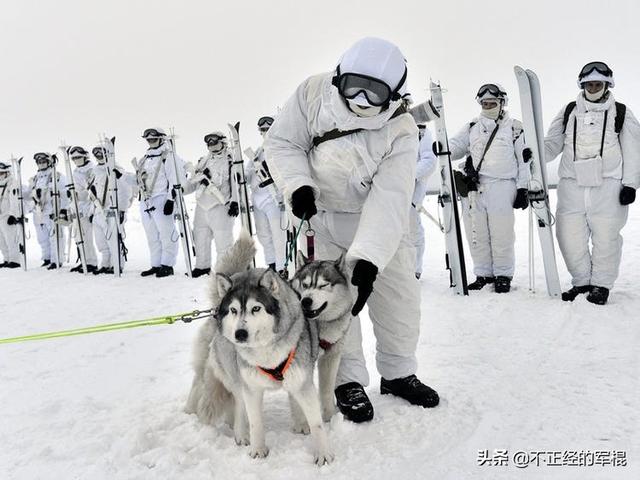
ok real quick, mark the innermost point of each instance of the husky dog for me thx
(326, 298)
(259, 340)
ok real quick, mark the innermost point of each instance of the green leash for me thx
(167, 320)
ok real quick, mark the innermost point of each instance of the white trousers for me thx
(103, 232)
(417, 238)
(212, 224)
(45, 233)
(489, 226)
(87, 236)
(591, 214)
(394, 305)
(160, 229)
(9, 242)
(272, 238)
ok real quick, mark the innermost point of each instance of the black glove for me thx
(303, 203)
(69, 194)
(233, 209)
(38, 192)
(12, 220)
(204, 182)
(364, 274)
(207, 173)
(527, 154)
(168, 207)
(437, 147)
(117, 173)
(627, 195)
(92, 189)
(121, 216)
(90, 218)
(63, 214)
(522, 199)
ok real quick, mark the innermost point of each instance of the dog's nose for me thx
(306, 303)
(242, 335)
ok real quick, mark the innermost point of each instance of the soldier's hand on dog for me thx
(364, 274)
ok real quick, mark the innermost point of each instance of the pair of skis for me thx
(115, 229)
(22, 220)
(530, 99)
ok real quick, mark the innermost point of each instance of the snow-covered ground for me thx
(515, 372)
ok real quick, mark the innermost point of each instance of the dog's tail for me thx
(237, 259)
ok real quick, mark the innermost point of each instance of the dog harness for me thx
(277, 374)
(325, 345)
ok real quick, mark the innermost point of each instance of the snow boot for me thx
(46, 263)
(52, 266)
(570, 295)
(480, 282)
(198, 272)
(353, 402)
(598, 295)
(503, 284)
(4, 264)
(412, 390)
(11, 265)
(151, 271)
(77, 268)
(164, 271)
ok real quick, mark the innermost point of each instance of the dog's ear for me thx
(269, 280)
(223, 284)
(301, 259)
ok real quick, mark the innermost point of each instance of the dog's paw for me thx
(242, 440)
(301, 427)
(323, 457)
(258, 452)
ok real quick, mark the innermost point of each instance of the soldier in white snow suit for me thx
(42, 193)
(216, 202)
(344, 155)
(599, 173)
(9, 218)
(82, 178)
(498, 176)
(99, 195)
(268, 205)
(427, 164)
(156, 174)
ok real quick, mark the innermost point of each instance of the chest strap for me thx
(277, 374)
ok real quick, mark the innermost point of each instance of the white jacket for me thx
(41, 190)
(9, 203)
(371, 172)
(261, 197)
(101, 182)
(503, 160)
(159, 160)
(82, 178)
(427, 164)
(220, 188)
(621, 154)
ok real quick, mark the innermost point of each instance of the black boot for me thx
(45, 263)
(503, 284)
(92, 268)
(52, 266)
(198, 272)
(570, 295)
(164, 271)
(598, 295)
(77, 268)
(480, 282)
(151, 271)
(353, 402)
(12, 265)
(412, 390)
(4, 264)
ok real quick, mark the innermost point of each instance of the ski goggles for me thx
(41, 157)
(79, 151)
(265, 121)
(152, 133)
(492, 89)
(98, 152)
(599, 67)
(213, 139)
(377, 93)
(4, 168)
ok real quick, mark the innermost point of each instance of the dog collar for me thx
(325, 345)
(277, 374)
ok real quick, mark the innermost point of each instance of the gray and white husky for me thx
(326, 297)
(259, 340)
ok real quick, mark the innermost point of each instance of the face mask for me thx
(594, 97)
(491, 113)
(364, 112)
(216, 148)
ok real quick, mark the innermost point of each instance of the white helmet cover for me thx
(596, 76)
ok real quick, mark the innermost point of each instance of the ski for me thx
(531, 103)
(22, 220)
(239, 178)
(448, 199)
(115, 233)
(182, 216)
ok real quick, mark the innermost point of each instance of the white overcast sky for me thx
(74, 68)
